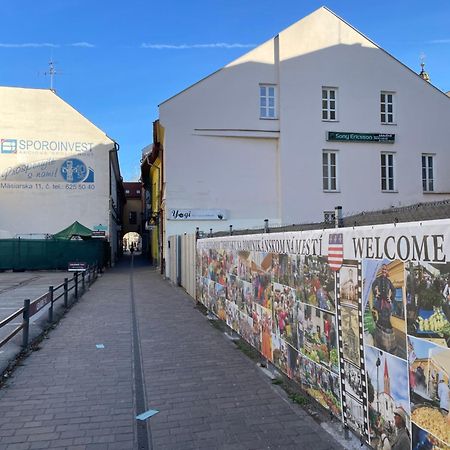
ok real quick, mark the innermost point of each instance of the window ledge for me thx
(329, 120)
(389, 192)
(435, 193)
(268, 118)
(331, 192)
(389, 124)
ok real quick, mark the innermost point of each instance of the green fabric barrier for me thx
(33, 254)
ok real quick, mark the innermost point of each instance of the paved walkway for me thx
(15, 287)
(134, 343)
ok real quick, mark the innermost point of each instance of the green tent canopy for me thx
(76, 229)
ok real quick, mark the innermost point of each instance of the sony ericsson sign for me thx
(69, 170)
(379, 138)
(14, 146)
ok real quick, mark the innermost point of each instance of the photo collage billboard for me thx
(359, 317)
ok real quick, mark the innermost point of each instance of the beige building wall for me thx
(260, 169)
(54, 165)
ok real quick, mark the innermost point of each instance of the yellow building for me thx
(152, 178)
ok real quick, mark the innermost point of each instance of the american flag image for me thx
(335, 251)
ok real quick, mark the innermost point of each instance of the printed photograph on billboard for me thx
(316, 283)
(317, 339)
(429, 372)
(285, 311)
(388, 392)
(320, 383)
(422, 439)
(351, 342)
(385, 306)
(428, 307)
(359, 318)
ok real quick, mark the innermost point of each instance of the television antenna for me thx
(51, 72)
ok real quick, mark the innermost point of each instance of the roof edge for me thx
(381, 48)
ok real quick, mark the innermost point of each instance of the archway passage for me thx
(132, 243)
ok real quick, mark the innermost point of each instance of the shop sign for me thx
(197, 214)
(342, 136)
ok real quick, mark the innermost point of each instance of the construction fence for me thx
(51, 254)
(358, 316)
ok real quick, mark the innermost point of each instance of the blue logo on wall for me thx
(75, 171)
(8, 146)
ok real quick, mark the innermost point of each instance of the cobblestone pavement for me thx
(133, 343)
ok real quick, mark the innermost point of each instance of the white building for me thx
(316, 117)
(56, 167)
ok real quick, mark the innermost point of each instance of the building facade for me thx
(316, 117)
(132, 211)
(56, 167)
(152, 180)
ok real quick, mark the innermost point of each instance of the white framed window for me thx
(387, 172)
(329, 171)
(427, 172)
(267, 101)
(329, 103)
(387, 107)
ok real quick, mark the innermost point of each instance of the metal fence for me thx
(79, 282)
(182, 251)
(411, 213)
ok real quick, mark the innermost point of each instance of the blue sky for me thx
(119, 59)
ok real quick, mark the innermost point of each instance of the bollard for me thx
(26, 323)
(231, 230)
(66, 292)
(75, 277)
(89, 277)
(266, 225)
(50, 310)
(83, 283)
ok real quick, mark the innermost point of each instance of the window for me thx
(387, 172)
(387, 107)
(267, 101)
(329, 103)
(329, 170)
(132, 217)
(427, 173)
(127, 191)
(329, 216)
(138, 191)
